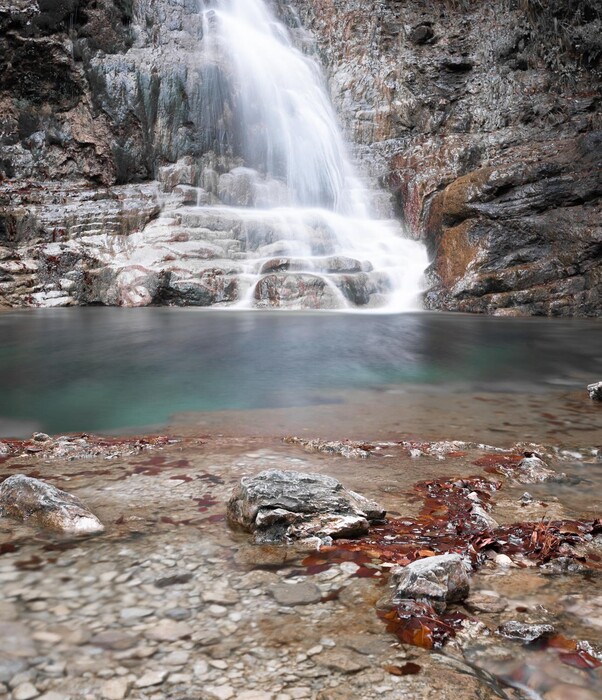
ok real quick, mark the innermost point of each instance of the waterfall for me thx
(295, 162)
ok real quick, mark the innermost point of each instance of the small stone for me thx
(503, 561)
(25, 691)
(150, 679)
(40, 437)
(254, 695)
(114, 639)
(304, 593)
(179, 657)
(115, 689)
(178, 614)
(135, 613)
(595, 391)
(220, 692)
(438, 580)
(169, 631)
(222, 596)
(342, 661)
(525, 632)
(46, 637)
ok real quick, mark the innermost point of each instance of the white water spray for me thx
(308, 207)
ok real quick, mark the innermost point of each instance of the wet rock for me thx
(25, 691)
(34, 501)
(437, 580)
(5, 449)
(115, 689)
(343, 662)
(525, 632)
(40, 437)
(533, 470)
(595, 391)
(115, 640)
(279, 506)
(304, 593)
(345, 448)
(486, 602)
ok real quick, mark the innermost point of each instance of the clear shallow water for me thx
(99, 369)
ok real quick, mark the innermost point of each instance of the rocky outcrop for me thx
(282, 506)
(34, 501)
(482, 119)
(485, 120)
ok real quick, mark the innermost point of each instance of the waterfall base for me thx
(174, 243)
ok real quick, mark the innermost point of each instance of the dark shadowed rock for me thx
(279, 506)
(436, 580)
(525, 632)
(595, 391)
(41, 504)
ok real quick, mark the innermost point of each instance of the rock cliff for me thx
(482, 120)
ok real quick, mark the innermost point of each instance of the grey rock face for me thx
(437, 580)
(490, 141)
(34, 501)
(280, 506)
(595, 391)
(525, 632)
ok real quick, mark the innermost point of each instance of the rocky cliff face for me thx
(483, 120)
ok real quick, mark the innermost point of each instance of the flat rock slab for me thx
(436, 580)
(41, 504)
(304, 593)
(525, 632)
(281, 506)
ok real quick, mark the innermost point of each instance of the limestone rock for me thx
(533, 470)
(279, 506)
(31, 500)
(595, 391)
(437, 580)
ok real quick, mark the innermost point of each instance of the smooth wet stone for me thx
(342, 661)
(115, 640)
(115, 689)
(525, 632)
(169, 631)
(438, 580)
(5, 449)
(533, 470)
(595, 391)
(25, 691)
(304, 593)
(150, 679)
(281, 506)
(37, 502)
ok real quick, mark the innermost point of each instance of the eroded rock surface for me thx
(485, 120)
(39, 503)
(437, 580)
(280, 506)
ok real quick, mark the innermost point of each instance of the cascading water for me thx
(310, 239)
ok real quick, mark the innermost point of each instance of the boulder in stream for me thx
(436, 580)
(595, 391)
(283, 506)
(41, 504)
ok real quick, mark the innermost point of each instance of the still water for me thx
(99, 369)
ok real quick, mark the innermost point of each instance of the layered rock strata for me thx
(482, 120)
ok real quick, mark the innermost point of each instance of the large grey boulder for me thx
(281, 506)
(41, 504)
(437, 580)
